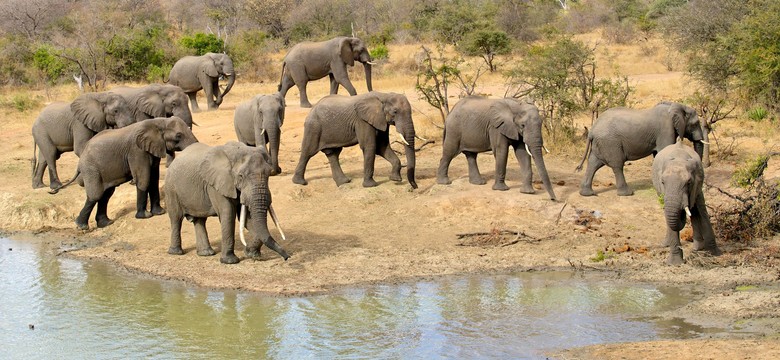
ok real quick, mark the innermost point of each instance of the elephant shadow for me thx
(301, 245)
(636, 185)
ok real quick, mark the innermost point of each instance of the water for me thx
(89, 310)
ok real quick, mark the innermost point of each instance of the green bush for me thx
(22, 102)
(751, 171)
(757, 113)
(136, 53)
(487, 44)
(379, 52)
(203, 43)
(52, 66)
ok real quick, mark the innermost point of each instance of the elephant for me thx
(622, 134)
(156, 100)
(477, 124)
(62, 127)
(340, 121)
(314, 60)
(218, 181)
(259, 122)
(116, 156)
(193, 73)
(678, 176)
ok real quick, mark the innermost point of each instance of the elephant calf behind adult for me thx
(478, 124)
(209, 181)
(193, 73)
(259, 122)
(678, 175)
(621, 135)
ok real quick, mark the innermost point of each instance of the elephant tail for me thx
(76, 176)
(34, 160)
(281, 77)
(588, 148)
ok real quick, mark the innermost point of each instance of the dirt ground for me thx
(350, 235)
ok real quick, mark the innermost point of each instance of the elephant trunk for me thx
(367, 68)
(259, 205)
(674, 213)
(274, 136)
(407, 131)
(536, 153)
(183, 114)
(231, 80)
(698, 146)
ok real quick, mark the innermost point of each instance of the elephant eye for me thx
(178, 136)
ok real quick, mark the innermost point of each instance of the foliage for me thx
(523, 20)
(249, 52)
(455, 19)
(49, 64)
(203, 43)
(379, 52)
(747, 175)
(660, 8)
(135, 54)
(438, 73)
(156, 73)
(487, 44)
(21, 102)
(602, 255)
(757, 113)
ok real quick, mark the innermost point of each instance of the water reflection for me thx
(89, 310)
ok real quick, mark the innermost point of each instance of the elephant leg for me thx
(176, 215)
(101, 217)
(474, 176)
(48, 155)
(384, 150)
(202, 238)
(586, 187)
(675, 251)
(307, 151)
(40, 168)
(335, 166)
(369, 157)
(287, 83)
(449, 151)
(301, 79)
(334, 86)
(703, 234)
(213, 97)
(154, 188)
(194, 101)
(501, 154)
(82, 221)
(620, 181)
(341, 76)
(140, 204)
(525, 170)
(227, 221)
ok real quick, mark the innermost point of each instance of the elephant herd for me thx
(121, 135)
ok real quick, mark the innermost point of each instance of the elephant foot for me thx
(207, 252)
(625, 192)
(342, 180)
(276, 171)
(711, 249)
(477, 181)
(587, 192)
(103, 222)
(298, 179)
(229, 259)
(675, 257)
(82, 225)
(175, 250)
(443, 181)
(143, 214)
(395, 177)
(252, 254)
(527, 189)
(158, 211)
(500, 186)
(305, 104)
(56, 184)
(38, 185)
(369, 183)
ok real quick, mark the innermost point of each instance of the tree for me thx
(203, 43)
(438, 73)
(487, 44)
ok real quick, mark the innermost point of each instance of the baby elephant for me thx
(215, 181)
(116, 156)
(678, 176)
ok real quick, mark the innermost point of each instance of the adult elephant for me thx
(622, 134)
(63, 127)
(156, 100)
(259, 122)
(477, 124)
(340, 121)
(193, 73)
(209, 181)
(114, 157)
(678, 176)
(315, 60)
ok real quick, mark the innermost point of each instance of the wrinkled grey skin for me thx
(621, 135)
(116, 156)
(478, 124)
(209, 181)
(62, 127)
(193, 73)
(340, 121)
(156, 100)
(678, 175)
(259, 122)
(315, 60)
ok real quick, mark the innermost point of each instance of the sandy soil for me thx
(349, 235)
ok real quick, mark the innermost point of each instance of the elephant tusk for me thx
(528, 150)
(422, 139)
(242, 222)
(370, 63)
(687, 211)
(403, 140)
(545, 149)
(276, 221)
(705, 142)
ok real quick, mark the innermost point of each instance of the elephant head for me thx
(520, 120)
(383, 109)
(351, 49)
(161, 136)
(687, 125)
(100, 111)
(240, 172)
(678, 176)
(270, 113)
(220, 65)
(164, 101)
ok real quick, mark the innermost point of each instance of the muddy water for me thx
(54, 307)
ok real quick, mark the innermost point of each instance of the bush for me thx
(487, 44)
(22, 102)
(757, 113)
(623, 32)
(380, 52)
(203, 43)
(49, 64)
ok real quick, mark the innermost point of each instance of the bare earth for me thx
(349, 235)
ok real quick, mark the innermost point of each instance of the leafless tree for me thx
(30, 17)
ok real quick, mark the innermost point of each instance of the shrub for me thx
(487, 44)
(757, 113)
(22, 102)
(379, 52)
(203, 43)
(747, 175)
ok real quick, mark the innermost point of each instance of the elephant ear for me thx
(149, 137)
(151, 103)
(502, 119)
(216, 169)
(210, 65)
(88, 109)
(677, 112)
(282, 105)
(371, 110)
(345, 47)
(692, 164)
